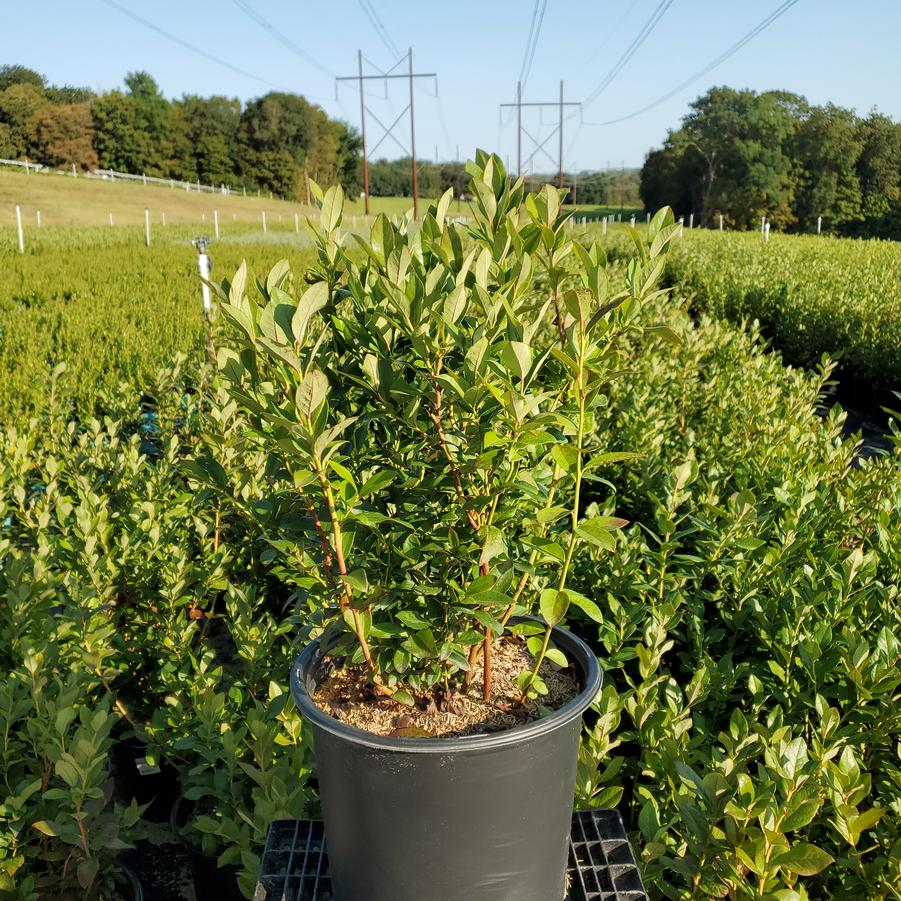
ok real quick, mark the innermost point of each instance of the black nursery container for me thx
(475, 818)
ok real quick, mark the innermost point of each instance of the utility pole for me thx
(560, 133)
(363, 135)
(518, 128)
(413, 141)
(388, 131)
(539, 146)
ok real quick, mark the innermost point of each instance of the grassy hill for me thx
(82, 202)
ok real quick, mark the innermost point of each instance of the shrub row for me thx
(811, 295)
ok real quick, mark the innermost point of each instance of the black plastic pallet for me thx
(601, 866)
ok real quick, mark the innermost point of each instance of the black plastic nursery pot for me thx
(474, 818)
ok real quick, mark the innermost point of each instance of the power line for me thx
(756, 30)
(249, 11)
(525, 56)
(607, 37)
(532, 43)
(175, 39)
(379, 26)
(643, 34)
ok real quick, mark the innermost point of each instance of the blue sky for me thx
(827, 50)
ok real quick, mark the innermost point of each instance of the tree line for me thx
(270, 143)
(394, 178)
(743, 155)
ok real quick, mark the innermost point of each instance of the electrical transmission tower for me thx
(387, 130)
(539, 145)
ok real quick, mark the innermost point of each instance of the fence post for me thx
(147, 225)
(819, 225)
(110, 215)
(164, 218)
(691, 220)
(647, 219)
(263, 215)
(762, 224)
(766, 232)
(296, 222)
(721, 221)
(19, 228)
(74, 173)
(37, 216)
(604, 226)
(216, 223)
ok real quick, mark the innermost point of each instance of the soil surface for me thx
(347, 695)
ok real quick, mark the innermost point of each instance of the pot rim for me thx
(578, 653)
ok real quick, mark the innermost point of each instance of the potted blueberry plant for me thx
(427, 396)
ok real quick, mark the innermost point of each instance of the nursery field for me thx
(153, 589)
(812, 295)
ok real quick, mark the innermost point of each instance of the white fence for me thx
(113, 175)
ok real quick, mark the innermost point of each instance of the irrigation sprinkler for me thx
(216, 223)
(147, 225)
(19, 229)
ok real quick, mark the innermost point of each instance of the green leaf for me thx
(357, 580)
(804, 859)
(586, 605)
(517, 358)
(277, 275)
(377, 482)
(665, 333)
(67, 772)
(332, 208)
(553, 605)
(597, 533)
(238, 285)
(867, 820)
(610, 457)
(312, 300)
(423, 643)
(86, 872)
(494, 544)
(48, 827)
(311, 392)
(455, 305)
(413, 620)
(801, 815)
(557, 656)
(565, 456)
